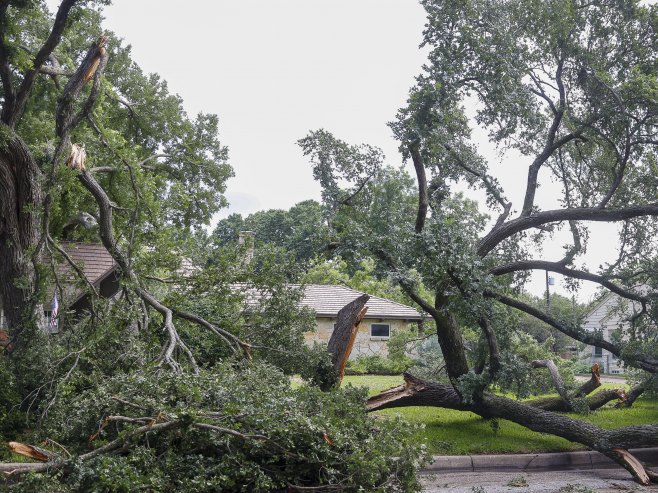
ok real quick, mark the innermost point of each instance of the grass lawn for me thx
(449, 432)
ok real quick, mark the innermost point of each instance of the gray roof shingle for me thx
(327, 300)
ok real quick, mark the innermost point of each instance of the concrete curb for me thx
(532, 462)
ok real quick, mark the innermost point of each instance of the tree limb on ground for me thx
(612, 443)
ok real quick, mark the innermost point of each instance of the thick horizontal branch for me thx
(510, 228)
(573, 273)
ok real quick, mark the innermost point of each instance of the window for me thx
(380, 330)
(598, 352)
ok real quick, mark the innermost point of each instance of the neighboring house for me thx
(609, 316)
(98, 266)
(383, 318)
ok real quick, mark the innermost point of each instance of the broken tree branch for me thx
(342, 338)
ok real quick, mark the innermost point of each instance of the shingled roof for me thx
(327, 300)
(92, 258)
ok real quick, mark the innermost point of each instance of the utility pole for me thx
(550, 281)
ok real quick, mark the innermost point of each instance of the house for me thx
(98, 266)
(609, 316)
(383, 318)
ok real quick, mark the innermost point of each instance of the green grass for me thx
(449, 432)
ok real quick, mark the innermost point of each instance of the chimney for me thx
(247, 238)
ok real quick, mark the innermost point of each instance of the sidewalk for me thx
(560, 461)
(564, 472)
(535, 481)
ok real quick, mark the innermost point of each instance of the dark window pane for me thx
(598, 352)
(380, 330)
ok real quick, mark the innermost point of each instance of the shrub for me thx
(11, 419)
(378, 365)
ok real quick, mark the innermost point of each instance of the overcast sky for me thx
(274, 70)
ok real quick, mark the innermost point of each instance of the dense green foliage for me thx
(301, 230)
(313, 438)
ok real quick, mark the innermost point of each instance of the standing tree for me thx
(85, 131)
(300, 230)
(569, 86)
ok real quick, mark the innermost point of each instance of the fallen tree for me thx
(612, 443)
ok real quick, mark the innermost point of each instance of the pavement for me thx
(617, 379)
(568, 472)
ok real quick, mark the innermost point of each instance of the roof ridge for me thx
(363, 292)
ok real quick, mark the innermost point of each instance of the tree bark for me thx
(342, 339)
(555, 376)
(450, 339)
(20, 198)
(594, 401)
(631, 396)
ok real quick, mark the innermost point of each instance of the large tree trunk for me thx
(20, 204)
(612, 443)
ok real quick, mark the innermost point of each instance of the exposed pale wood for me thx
(350, 344)
(30, 451)
(632, 465)
(593, 383)
(342, 338)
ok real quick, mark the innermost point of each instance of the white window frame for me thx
(380, 338)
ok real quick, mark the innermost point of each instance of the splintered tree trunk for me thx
(20, 202)
(631, 396)
(342, 339)
(612, 443)
(564, 402)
